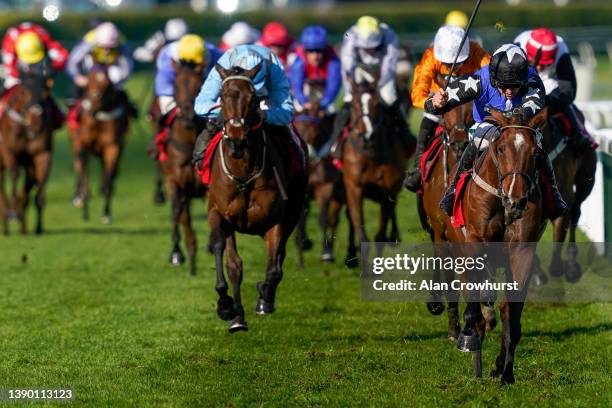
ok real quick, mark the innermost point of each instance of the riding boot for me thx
(465, 163)
(560, 207)
(399, 118)
(581, 136)
(413, 181)
(340, 122)
(202, 142)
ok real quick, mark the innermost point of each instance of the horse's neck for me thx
(251, 161)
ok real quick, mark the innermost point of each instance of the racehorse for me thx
(26, 131)
(576, 177)
(446, 151)
(248, 194)
(103, 124)
(504, 203)
(181, 181)
(374, 161)
(324, 181)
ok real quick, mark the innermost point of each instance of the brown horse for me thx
(374, 164)
(576, 177)
(26, 131)
(103, 124)
(181, 181)
(247, 194)
(454, 138)
(503, 204)
(324, 180)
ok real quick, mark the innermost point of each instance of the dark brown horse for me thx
(26, 131)
(247, 194)
(576, 177)
(103, 124)
(324, 180)
(374, 164)
(182, 183)
(503, 203)
(453, 140)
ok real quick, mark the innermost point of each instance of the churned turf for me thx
(98, 309)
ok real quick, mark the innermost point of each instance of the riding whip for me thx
(465, 35)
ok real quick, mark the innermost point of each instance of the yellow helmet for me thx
(29, 48)
(368, 32)
(457, 18)
(192, 48)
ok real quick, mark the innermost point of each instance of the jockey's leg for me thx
(465, 163)
(579, 133)
(545, 165)
(202, 143)
(340, 122)
(413, 181)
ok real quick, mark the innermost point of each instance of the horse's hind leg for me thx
(190, 238)
(158, 194)
(4, 205)
(111, 162)
(354, 202)
(300, 237)
(176, 256)
(225, 304)
(234, 271)
(560, 226)
(381, 235)
(42, 164)
(395, 237)
(275, 243)
(351, 259)
(24, 200)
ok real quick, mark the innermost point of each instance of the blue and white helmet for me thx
(247, 58)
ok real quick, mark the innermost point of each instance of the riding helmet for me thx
(509, 67)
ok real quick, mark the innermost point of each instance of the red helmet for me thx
(542, 45)
(275, 34)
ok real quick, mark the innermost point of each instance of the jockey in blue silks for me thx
(507, 82)
(270, 83)
(189, 49)
(315, 60)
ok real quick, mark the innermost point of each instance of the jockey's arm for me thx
(296, 75)
(534, 99)
(348, 58)
(332, 85)
(164, 81)
(388, 64)
(146, 53)
(78, 53)
(280, 104)
(121, 69)
(565, 92)
(58, 55)
(423, 79)
(208, 96)
(464, 89)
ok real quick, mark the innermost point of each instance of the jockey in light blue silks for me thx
(506, 83)
(270, 83)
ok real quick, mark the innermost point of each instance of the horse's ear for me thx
(251, 73)
(498, 116)
(539, 120)
(224, 73)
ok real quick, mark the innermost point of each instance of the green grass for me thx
(98, 309)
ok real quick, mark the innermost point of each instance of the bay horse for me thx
(247, 195)
(324, 180)
(26, 141)
(374, 162)
(452, 141)
(103, 124)
(182, 183)
(503, 203)
(575, 174)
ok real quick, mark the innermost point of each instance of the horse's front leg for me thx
(275, 245)
(110, 158)
(14, 206)
(234, 271)
(354, 202)
(4, 205)
(174, 191)
(560, 226)
(24, 200)
(158, 194)
(218, 233)
(573, 270)
(190, 237)
(42, 166)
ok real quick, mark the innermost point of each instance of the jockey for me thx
(29, 44)
(270, 83)
(435, 63)
(315, 60)
(190, 49)
(102, 46)
(175, 28)
(371, 43)
(276, 37)
(240, 33)
(506, 83)
(550, 56)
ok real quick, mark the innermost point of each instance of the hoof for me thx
(327, 256)
(307, 244)
(177, 258)
(77, 202)
(434, 305)
(237, 324)
(159, 198)
(507, 379)
(225, 309)
(351, 262)
(263, 307)
(468, 342)
(573, 272)
(539, 279)
(106, 219)
(556, 269)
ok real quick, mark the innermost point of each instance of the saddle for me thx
(429, 157)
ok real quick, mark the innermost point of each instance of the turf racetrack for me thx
(98, 309)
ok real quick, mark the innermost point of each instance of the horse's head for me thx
(457, 121)
(189, 78)
(99, 90)
(239, 106)
(35, 92)
(364, 108)
(307, 120)
(514, 153)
